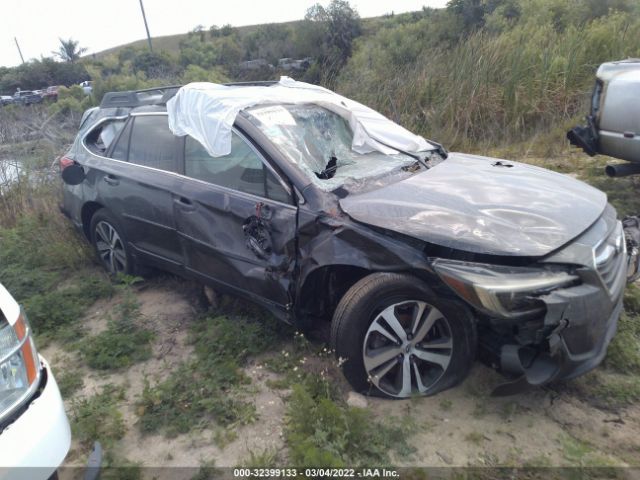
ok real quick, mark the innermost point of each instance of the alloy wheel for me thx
(407, 348)
(110, 248)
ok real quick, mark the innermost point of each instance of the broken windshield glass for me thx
(320, 142)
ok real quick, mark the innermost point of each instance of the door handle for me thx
(184, 203)
(111, 180)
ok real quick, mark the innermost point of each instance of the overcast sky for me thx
(101, 24)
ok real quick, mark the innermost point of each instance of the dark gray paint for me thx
(468, 203)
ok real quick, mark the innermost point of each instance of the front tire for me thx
(395, 338)
(110, 244)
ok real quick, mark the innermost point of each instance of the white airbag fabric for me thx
(207, 111)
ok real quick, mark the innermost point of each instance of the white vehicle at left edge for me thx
(34, 430)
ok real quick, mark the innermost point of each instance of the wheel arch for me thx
(86, 214)
(333, 281)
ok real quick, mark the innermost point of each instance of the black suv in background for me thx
(417, 258)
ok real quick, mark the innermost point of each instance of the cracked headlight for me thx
(19, 372)
(501, 291)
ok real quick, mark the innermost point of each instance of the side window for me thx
(100, 138)
(121, 147)
(152, 143)
(241, 170)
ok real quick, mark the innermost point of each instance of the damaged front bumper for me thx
(579, 320)
(577, 345)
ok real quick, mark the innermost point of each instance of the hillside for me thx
(171, 43)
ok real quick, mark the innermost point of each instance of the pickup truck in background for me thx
(26, 97)
(613, 124)
(613, 129)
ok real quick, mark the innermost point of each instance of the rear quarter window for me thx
(101, 137)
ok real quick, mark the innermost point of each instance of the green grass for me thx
(206, 388)
(69, 382)
(98, 418)
(120, 469)
(207, 471)
(123, 343)
(52, 312)
(474, 437)
(322, 431)
(267, 458)
(45, 265)
(623, 354)
(580, 453)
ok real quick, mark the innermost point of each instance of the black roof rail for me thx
(160, 95)
(137, 98)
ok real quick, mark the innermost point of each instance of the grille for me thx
(610, 260)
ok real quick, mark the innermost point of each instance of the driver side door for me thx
(237, 222)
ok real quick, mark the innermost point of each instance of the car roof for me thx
(156, 95)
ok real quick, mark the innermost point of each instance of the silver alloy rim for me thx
(407, 348)
(110, 248)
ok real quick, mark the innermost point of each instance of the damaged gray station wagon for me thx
(322, 210)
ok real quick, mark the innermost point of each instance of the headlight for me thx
(19, 370)
(505, 292)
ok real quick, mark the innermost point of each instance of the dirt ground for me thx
(463, 426)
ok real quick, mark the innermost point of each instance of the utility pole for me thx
(20, 51)
(144, 17)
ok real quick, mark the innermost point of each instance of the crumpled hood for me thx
(474, 204)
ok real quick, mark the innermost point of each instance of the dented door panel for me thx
(219, 230)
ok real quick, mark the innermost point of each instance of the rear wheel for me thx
(397, 339)
(110, 243)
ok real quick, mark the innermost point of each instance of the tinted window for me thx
(152, 143)
(241, 170)
(119, 151)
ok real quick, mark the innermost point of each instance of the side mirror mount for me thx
(73, 174)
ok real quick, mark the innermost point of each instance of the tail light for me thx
(65, 162)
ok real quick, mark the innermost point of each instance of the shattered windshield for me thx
(319, 142)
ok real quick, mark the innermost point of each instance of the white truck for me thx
(34, 430)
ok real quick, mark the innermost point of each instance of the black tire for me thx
(125, 263)
(363, 304)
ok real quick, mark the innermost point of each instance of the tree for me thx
(338, 25)
(473, 12)
(153, 64)
(69, 50)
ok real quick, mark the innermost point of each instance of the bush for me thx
(194, 73)
(98, 418)
(71, 99)
(490, 86)
(323, 432)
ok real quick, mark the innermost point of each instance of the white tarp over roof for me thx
(207, 111)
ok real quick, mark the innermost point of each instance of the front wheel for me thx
(395, 338)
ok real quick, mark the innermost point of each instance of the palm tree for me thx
(69, 50)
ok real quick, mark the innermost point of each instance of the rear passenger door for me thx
(139, 189)
(237, 222)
